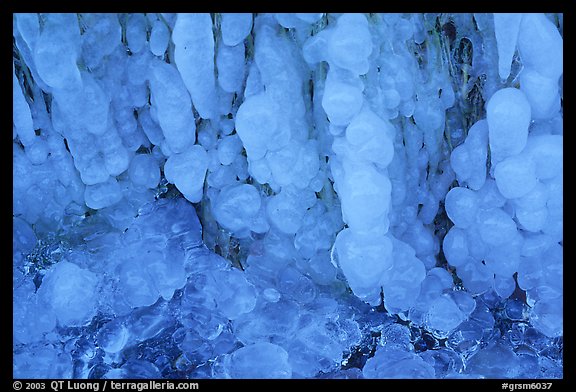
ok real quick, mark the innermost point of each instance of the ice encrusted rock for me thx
(508, 113)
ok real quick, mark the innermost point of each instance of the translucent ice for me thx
(540, 45)
(351, 43)
(341, 100)
(444, 314)
(194, 57)
(237, 206)
(235, 27)
(508, 113)
(258, 126)
(22, 118)
(229, 148)
(547, 152)
(159, 38)
(506, 27)
(395, 363)
(259, 360)
(515, 176)
(187, 171)
(495, 226)
(363, 261)
(70, 291)
(103, 194)
(541, 92)
(144, 171)
(461, 206)
(173, 107)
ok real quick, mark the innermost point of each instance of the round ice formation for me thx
(396, 363)
(370, 138)
(144, 171)
(508, 113)
(231, 67)
(365, 196)
(541, 92)
(173, 107)
(506, 27)
(495, 226)
(103, 194)
(547, 151)
(461, 206)
(259, 360)
(56, 62)
(194, 56)
(515, 176)
(235, 27)
(228, 149)
(187, 170)
(286, 210)
(444, 314)
(351, 43)
(341, 100)
(540, 45)
(70, 292)
(136, 32)
(363, 262)
(258, 127)
(236, 206)
(159, 38)
(455, 247)
(473, 169)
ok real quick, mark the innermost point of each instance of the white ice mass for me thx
(288, 195)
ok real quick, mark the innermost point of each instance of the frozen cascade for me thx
(288, 195)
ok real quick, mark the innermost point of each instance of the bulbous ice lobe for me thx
(70, 291)
(508, 113)
(364, 262)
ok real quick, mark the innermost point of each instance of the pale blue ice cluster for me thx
(288, 195)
